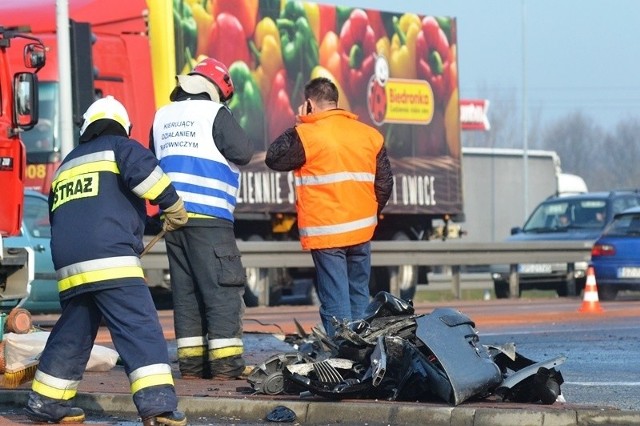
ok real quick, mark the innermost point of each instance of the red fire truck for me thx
(18, 112)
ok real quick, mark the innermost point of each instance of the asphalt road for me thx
(603, 350)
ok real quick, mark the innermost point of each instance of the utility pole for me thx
(64, 77)
(525, 136)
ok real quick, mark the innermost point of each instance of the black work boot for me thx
(44, 410)
(194, 368)
(170, 418)
(229, 368)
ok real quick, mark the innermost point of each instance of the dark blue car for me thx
(615, 256)
(580, 217)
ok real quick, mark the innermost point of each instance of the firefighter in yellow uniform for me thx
(97, 212)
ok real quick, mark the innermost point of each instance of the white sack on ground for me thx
(21, 347)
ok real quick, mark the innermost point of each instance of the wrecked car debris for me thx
(281, 414)
(395, 354)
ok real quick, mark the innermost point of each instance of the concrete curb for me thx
(359, 412)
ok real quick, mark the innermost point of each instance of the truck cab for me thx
(18, 112)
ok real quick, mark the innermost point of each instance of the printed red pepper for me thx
(327, 20)
(376, 22)
(245, 10)
(279, 100)
(357, 50)
(228, 41)
(433, 60)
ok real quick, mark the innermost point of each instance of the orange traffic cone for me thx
(591, 302)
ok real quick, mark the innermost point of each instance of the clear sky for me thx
(579, 55)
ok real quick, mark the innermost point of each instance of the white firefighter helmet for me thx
(106, 108)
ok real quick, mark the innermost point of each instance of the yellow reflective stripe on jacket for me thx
(150, 375)
(53, 387)
(99, 270)
(153, 185)
(223, 348)
(103, 161)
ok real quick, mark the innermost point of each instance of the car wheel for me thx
(607, 293)
(501, 288)
(562, 291)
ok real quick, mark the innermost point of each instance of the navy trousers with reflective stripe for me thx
(135, 330)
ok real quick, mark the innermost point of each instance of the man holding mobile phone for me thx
(343, 180)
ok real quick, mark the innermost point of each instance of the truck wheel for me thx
(405, 276)
(501, 289)
(381, 281)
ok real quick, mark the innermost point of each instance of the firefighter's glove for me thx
(175, 216)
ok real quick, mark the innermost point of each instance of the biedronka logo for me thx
(397, 100)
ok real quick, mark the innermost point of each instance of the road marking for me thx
(602, 383)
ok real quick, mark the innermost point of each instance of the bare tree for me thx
(578, 142)
(620, 155)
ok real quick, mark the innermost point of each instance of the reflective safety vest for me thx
(183, 139)
(336, 200)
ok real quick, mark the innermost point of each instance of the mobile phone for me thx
(308, 106)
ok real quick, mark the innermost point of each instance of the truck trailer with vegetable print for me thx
(397, 71)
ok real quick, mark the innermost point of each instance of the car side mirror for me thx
(516, 230)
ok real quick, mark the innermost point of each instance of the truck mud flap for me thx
(453, 341)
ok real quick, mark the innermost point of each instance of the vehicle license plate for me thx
(534, 268)
(629, 272)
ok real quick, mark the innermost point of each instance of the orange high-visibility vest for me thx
(336, 200)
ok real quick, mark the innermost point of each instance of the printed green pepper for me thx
(246, 103)
(186, 31)
(299, 45)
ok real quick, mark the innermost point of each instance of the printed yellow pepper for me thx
(402, 63)
(329, 54)
(204, 22)
(383, 47)
(313, 16)
(267, 51)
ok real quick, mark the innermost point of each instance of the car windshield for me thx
(563, 215)
(36, 217)
(624, 225)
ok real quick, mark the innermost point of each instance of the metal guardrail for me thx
(269, 254)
